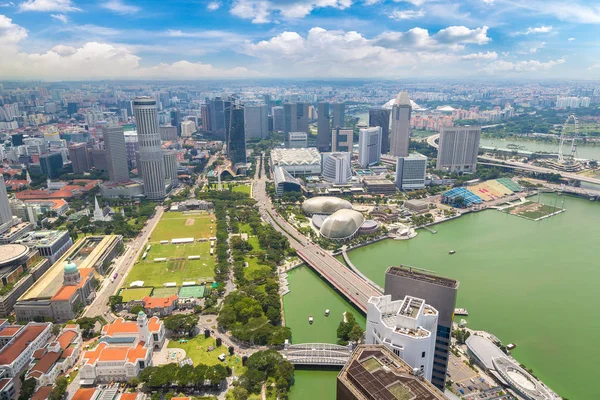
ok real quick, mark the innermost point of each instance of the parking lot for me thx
(464, 379)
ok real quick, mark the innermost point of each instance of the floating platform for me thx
(461, 311)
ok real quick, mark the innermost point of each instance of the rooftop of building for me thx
(521, 380)
(159, 302)
(105, 353)
(56, 203)
(84, 253)
(414, 273)
(41, 238)
(122, 327)
(29, 333)
(84, 394)
(409, 307)
(302, 156)
(375, 373)
(376, 180)
(10, 253)
(42, 393)
(10, 331)
(483, 349)
(402, 99)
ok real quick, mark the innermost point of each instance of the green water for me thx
(588, 151)
(310, 295)
(534, 284)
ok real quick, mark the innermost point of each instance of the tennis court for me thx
(192, 292)
(165, 291)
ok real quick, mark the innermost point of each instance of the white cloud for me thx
(89, 29)
(407, 14)
(488, 2)
(537, 47)
(213, 6)
(8, 4)
(119, 7)
(593, 67)
(488, 55)
(462, 34)
(48, 5)
(521, 66)
(571, 39)
(60, 17)
(572, 11)
(10, 33)
(536, 30)
(413, 2)
(260, 11)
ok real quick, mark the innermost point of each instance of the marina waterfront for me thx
(588, 151)
(534, 284)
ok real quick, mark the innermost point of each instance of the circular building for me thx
(13, 261)
(325, 205)
(342, 225)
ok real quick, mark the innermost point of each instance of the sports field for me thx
(181, 270)
(135, 293)
(531, 210)
(242, 189)
(178, 225)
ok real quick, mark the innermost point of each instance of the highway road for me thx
(123, 265)
(353, 287)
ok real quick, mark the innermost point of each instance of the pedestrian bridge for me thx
(317, 354)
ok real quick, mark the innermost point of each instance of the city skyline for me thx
(78, 40)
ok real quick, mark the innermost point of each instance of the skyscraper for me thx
(323, 127)
(342, 139)
(78, 154)
(459, 146)
(337, 167)
(295, 117)
(369, 146)
(278, 119)
(400, 133)
(176, 119)
(151, 166)
(437, 291)
(236, 143)
(116, 153)
(410, 172)
(256, 121)
(6, 217)
(170, 160)
(381, 117)
(339, 115)
(215, 119)
(50, 164)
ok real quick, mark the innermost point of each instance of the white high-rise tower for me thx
(151, 166)
(400, 132)
(6, 218)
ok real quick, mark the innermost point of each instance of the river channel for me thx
(534, 284)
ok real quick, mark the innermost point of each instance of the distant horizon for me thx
(74, 40)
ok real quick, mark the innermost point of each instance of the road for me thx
(123, 265)
(357, 290)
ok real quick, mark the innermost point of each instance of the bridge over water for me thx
(322, 354)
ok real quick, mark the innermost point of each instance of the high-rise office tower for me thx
(410, 172)
(151, 163)
(400, 132)
(176, 119)
(187, 128)
(369, 146)
(116, 153)
(78, 154)
(278, 119)
(339, 115)
(267, 99)
(50, 164)
(168, 132)
(170, 160)
(342, 139)
(257, 122)
(459, 146)
(381, 117)
(236, 143)
(337, 167)
(295, 117)
(6, 218)
(216, 122)
(323, 127)
(437, 291)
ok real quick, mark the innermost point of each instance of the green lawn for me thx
(245, 228)
(196, 349)
(135, 293)
(156, 274)
(173, 225)
(242, 189)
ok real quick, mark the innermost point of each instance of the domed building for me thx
(325, 205)
(342, 225)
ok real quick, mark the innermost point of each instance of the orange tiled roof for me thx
(31, 194)
(10, 331)
(128, 396)
(159, 302)
(39, 353)
(46, 362)
(119, 326)
(68, 352)
(10, 352)
(64, 293)
(105, 353)
(84, 394)
(42, 393)
(56, 203)
(154, 324)
(71, 326)
(65, 339)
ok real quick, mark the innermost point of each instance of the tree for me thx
(181, 323)
(60, 388)
(115, 301)
(27, 389)
(136, 309)
(240, 393)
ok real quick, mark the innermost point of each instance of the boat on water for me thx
(452, 252)
(461, 311)
(310, 319)
(327, 312)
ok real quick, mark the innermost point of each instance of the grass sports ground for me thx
(177, 268)
(178, 225)
(532, 210)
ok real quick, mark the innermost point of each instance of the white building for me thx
(342, 140)
(125, 349)
(458, 149)
(297, 140)
(410, 172)
(187, 128)
(400, 131)
(337, 167)
(305, 161)
(16, 354)
(256, 121)
(369, 146)
(407, 327)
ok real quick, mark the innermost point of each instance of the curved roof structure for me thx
(12, 252)
(295, 156)
(325, 205)
(520, 380)
(342, 224)
(70, 267)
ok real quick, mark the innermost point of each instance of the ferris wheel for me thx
(565, 136)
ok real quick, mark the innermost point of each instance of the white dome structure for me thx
(325, 205)
(342, 224)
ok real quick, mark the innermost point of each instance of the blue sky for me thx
(83, 39)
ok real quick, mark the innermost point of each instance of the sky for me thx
(304, 39)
